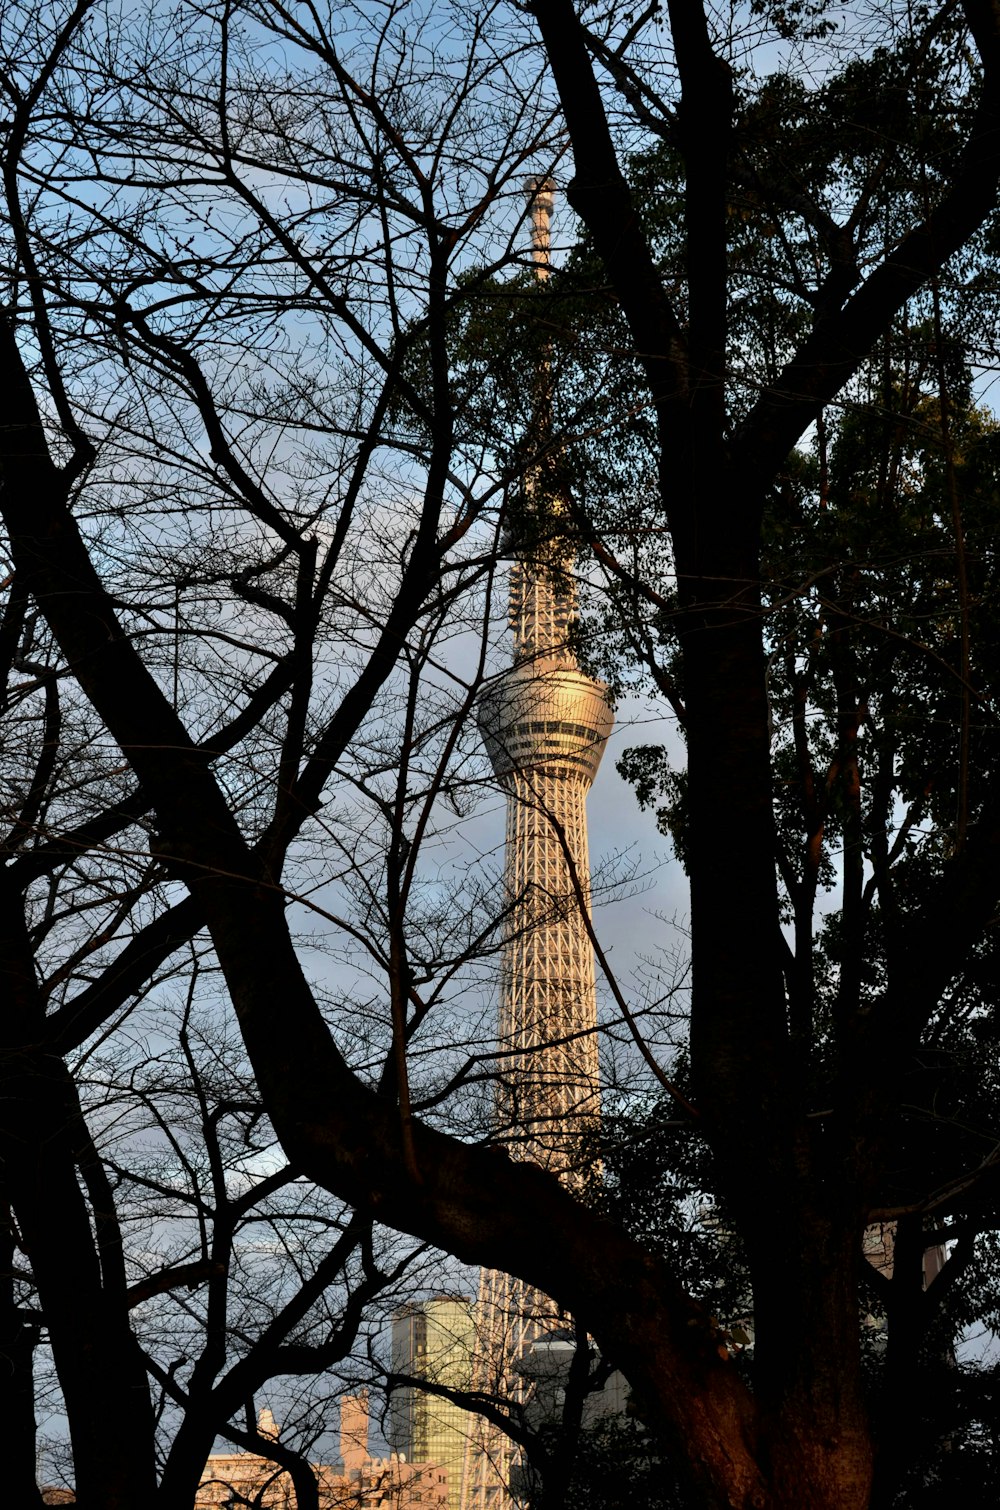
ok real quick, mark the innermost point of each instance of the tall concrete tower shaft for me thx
(545, 725)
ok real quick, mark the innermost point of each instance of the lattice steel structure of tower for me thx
(545, 724)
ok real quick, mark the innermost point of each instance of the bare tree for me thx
(215, 285)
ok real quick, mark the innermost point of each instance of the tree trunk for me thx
(18, 1339)
(97, 1360)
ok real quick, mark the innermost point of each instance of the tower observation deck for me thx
(545, 724)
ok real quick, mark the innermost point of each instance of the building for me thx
(234, 1479)
(433, 1340)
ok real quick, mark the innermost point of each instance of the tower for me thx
(545, 724)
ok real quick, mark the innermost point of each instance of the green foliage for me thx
(617, 1464)
(653, 1176)
(959, 1430)
(647, 768)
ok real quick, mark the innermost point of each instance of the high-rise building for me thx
(545, 724)
(433, 1340)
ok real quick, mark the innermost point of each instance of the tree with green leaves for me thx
(822, 622)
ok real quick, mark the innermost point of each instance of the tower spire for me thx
(543, 595)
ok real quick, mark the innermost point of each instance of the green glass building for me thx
(434, 1340)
